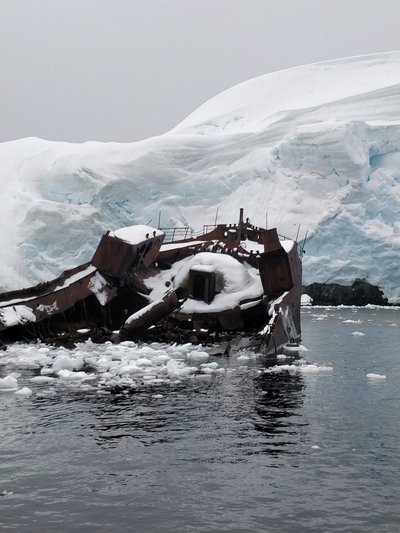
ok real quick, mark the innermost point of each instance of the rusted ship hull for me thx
(235, 280)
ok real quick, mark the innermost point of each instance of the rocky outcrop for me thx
(359, 293)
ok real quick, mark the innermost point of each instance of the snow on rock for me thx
(316, 145)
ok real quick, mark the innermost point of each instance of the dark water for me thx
(244, 451)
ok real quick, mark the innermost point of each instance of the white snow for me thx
(76, 277)
(98, 286)
(234, 281)
(16, 314)
(136, 234)
(144, 310)
(316, 146)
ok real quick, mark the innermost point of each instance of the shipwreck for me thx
(234, 283)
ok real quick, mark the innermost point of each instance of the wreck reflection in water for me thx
(225, 418)
(278, 410)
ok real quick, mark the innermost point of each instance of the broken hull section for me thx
(236, 280)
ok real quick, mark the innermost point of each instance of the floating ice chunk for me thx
(66, 362)
(280, 368)
(176, 369)
(27, 363)
(158, 396)
(9, 383)
(149, 377)
(299, 348)
(243, 357)
(142, 361)
(161, 359)
(358, 334)
(315, 447)
(129, 344)
(73, 376)
(46, 371)
(212, 365)
(197, 356)
(315, 368)
(42, 379)
(130, 369)
(350, 321)
(376, 377)
(306, 300)
(306, 368)
(25, 391)
(204, 376)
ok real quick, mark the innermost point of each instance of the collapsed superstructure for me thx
(236, 280)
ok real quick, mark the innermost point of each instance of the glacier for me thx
(311, 150)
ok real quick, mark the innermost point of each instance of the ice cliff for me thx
(316, 146)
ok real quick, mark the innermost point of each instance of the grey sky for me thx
(124, 70)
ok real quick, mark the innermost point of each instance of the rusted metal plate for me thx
(117, 258)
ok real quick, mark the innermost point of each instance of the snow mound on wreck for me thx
(316, 146)
(234, 282)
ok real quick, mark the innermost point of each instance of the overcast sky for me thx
(124, 70)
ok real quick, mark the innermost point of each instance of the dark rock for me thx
(359, 293)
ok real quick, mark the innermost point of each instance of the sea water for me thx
(166, 439)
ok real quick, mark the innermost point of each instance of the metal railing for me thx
(177, 234)
(185, 232)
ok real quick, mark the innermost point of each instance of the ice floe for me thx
(300, 366)
(376, 377)
(127, 365)
(9, 383)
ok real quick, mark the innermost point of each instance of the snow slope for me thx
(316, 146)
